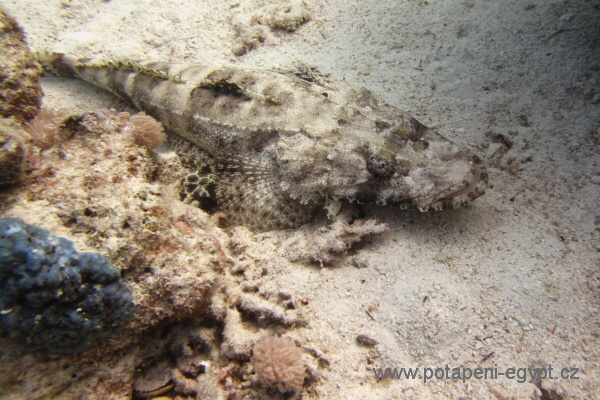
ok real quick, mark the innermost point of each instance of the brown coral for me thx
(44, 127)
(278, 362)
(147, 131)
(20, 92)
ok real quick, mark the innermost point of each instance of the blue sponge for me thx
(54, 297)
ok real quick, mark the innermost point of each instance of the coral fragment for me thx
(278, 362)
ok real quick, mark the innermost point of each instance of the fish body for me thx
(273, 146)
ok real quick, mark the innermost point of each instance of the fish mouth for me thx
(473, 188)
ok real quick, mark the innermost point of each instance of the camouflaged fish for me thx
(273, 146)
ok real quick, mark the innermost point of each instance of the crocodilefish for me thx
(269, 148)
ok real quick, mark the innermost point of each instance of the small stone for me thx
(566, 17)
(359, 262)
(595, 179)
(365, 341)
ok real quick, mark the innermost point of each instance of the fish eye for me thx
(381, 165)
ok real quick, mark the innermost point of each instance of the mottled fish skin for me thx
(284, 144)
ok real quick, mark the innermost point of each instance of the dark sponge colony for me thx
(54, 297)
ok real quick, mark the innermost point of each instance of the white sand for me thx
(511, 281)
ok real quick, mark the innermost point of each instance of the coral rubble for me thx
(283, 16)
(198, 307)
(14, 149)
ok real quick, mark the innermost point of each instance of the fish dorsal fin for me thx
(249, 194)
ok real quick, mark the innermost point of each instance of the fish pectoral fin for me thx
(198, 185)
(248, 192)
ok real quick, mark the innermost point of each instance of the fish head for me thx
(392, 161)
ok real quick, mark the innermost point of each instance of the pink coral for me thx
(44, 127)
(147, 131)
(278, 362)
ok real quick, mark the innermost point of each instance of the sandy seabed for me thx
(511, 281)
